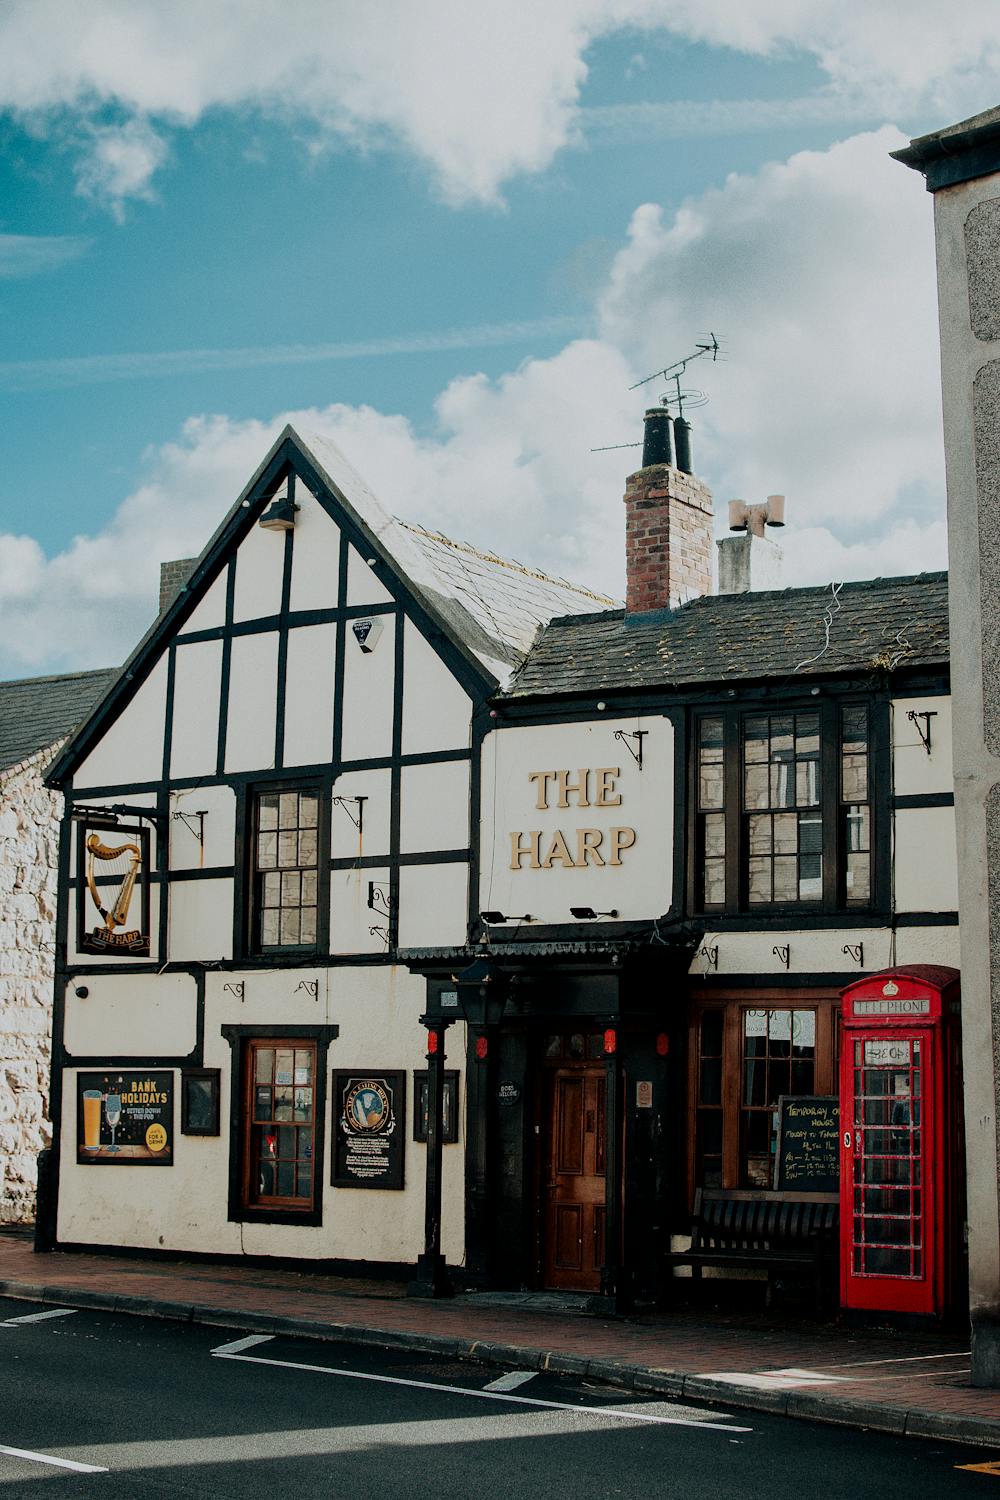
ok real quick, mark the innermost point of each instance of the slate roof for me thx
(880, 623)
(507, 599)
(36, 712)
(489, 604)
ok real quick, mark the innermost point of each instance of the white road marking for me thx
(42, 1317)
(238, 1345)
(483, 1395)
(58, 1463)
(511, 1380)
(901, 1359)
(776, 1380)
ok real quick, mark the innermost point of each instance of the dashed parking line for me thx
(57, 1463)
(611, 1413)
(39, 1317)
(238, 1345)
(511, 1381)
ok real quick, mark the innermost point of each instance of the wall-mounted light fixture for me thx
(491, 918)
(280, 514)
(588, 914)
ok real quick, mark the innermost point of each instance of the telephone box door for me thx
(887, 1261)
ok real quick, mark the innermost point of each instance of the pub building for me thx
(427, 915)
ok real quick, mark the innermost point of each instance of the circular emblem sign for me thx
(367, 1108)
(890, 988)
(156, 1137)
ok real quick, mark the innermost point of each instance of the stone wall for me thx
(29, 843)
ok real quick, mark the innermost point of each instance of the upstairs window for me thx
(783, 809)
(286, 874)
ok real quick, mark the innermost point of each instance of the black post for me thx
(611, 1270)
(479, 1146)
(432, 1279)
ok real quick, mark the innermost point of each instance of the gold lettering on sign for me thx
(621, 838)
(606, 795)
(542, 778)
(588, 847)
(519, 852)
(558, 854)
(577, 789)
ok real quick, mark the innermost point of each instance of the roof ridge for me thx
(504, 562)
(59, 677)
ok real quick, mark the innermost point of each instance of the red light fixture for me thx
(482, 1047)
(433, 1042)
(662, 1044)
(610, 1042)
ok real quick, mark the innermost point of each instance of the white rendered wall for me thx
(434, 807)
(201, 920)
(369, 679)
(315, 554)
(347, 841)
(253, 686)
(309, 672)
(351, 918)
(363, 585)
(138, 1015)
(437, 712)
(210, 612)
(925, 863)
(914, 772)
(259, 570)
(194, 738)
(131, 748)
(218, 827)
(433, 902)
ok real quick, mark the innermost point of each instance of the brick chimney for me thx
(668, 524)
(173, 576)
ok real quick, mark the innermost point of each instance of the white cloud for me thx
(818, 275)
(476, 93)
(818, 272)
(120, 163)
(34, 254)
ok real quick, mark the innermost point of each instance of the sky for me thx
(451, 237)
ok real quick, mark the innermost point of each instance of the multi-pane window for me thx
(280, 1124)
(783, 813)
(285, 902)
(711, 810)
(781, 802)
(744, 1056)
(779, 1050)
(855, 807)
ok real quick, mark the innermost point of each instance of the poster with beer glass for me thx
(125, 1118)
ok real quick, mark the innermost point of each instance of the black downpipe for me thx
(682, 437)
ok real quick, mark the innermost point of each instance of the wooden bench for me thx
(774, 1231)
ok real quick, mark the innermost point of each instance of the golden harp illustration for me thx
(124, 862)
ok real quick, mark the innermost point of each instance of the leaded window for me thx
(286, 869)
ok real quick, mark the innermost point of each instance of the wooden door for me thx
(574, 1179)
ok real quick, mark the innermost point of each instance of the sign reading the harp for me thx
(114, 891)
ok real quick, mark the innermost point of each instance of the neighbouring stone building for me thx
(36, 715)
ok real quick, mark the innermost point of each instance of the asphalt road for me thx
(96, 1404)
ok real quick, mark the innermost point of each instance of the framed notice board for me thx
(808, 1154)
(369, 1121)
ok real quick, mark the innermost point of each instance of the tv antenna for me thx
(680, 397)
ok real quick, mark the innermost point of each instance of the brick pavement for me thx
(904, 1382)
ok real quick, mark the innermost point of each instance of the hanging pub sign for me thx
(370, 1111)
(125, 1118)
(113, 890)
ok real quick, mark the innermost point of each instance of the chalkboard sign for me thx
(808, 1158)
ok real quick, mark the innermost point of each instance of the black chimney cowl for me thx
(657, 441)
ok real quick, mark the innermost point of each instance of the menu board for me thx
(125, 1118)
(808, 1158)
(369, 1118)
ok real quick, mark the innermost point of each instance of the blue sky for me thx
(451, 246)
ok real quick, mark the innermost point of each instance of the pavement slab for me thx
(880, 1378)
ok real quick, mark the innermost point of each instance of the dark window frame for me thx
(449, 1132)
(731, 1107)
(238, 1036)
(201, 1075)
(249, 944)
(833, 810)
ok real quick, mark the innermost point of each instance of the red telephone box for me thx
(901, 1163)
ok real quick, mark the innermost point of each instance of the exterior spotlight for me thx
(280, 515)
(491, 918)
(588, 914)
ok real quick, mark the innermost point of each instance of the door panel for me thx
(573, 1179)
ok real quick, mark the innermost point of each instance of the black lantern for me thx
(482, 993)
